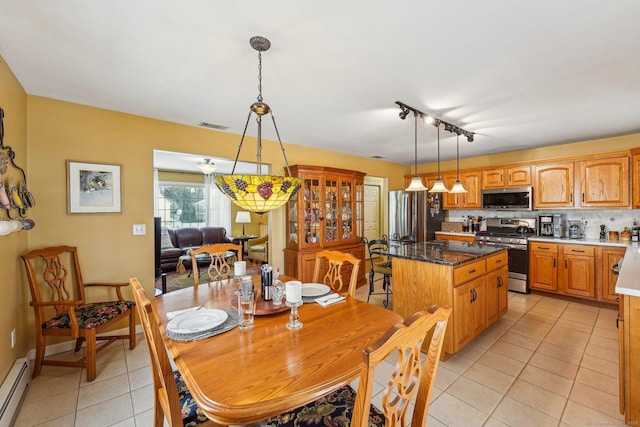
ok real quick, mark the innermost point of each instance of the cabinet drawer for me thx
(497, 261)
(468, 271)
(579, 250)
(544, 247)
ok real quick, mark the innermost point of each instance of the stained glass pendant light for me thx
(416, 182)
(259, 193)
(438, 185)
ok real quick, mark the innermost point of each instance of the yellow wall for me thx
(13, 308)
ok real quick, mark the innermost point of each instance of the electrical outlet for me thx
(139, 229)
(13, 338)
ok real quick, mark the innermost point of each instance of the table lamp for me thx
(243, 217)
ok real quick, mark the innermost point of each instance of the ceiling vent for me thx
(213, 126)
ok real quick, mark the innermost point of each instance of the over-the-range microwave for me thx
(516, 198)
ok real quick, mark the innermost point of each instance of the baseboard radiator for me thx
(12, 390)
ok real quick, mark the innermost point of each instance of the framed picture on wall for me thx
(93, 188)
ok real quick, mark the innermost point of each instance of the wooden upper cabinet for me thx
(553, 186)
(605, 182)
(506, 177)
(635, 170)
(470, 199)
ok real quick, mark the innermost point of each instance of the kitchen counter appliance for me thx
(514, 233)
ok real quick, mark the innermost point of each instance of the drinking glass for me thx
(247, 308)
(277, 292)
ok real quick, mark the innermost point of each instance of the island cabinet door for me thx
(470, 311)
(497, 295)
(462, 297)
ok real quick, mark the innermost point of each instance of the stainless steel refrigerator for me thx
(415, 213)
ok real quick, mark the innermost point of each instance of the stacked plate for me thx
(202, 323)
(311, 291)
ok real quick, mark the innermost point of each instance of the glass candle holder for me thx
(294, 322)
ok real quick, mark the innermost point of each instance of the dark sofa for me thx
(184, 239)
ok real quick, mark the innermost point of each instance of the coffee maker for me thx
(545, 225)
(558, 229)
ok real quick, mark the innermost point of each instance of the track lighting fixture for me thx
(438, 186)
(405, 109)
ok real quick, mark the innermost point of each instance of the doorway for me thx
(374, 207)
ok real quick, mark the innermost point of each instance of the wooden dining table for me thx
(240, 377)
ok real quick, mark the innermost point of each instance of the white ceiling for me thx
(518, 73)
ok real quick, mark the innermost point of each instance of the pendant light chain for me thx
(259, 76)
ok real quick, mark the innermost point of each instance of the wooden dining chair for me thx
(221, 261)
(332, 262)
(172, 399)
(410, 378)
(61, 308)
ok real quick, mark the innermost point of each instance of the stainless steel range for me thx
(512, 232)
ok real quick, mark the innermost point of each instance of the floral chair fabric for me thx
(192, 415)
(334, 409)
(90, 316)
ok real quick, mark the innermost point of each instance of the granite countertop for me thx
(444, 252)
(594, 242)
(629, 279)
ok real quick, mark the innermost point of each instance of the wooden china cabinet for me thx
(327, 213)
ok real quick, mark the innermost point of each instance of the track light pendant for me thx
(457, 186)
(438, 185)
(416, 183)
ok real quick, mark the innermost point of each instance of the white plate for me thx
(196, 321)
(314, 289)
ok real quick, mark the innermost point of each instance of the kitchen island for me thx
(628, 287)
(468, 277)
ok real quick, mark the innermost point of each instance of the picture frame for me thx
(93, 187)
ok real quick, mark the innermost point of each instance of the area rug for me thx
(177, 281)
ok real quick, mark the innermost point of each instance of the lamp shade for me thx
(258, 193)
(457, 188)
(439, 187)
(243, 217)
(416, 185)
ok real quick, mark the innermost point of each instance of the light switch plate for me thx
(139, 229)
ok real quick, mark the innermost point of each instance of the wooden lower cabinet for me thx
(543, 266)
(582, 271)
(578, 274)
(300, 264)
(629, 354)
(610, 256)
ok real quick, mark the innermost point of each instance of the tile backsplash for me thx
(613, 219)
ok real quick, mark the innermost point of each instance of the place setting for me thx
(198, 323)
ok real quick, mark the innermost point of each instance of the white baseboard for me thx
(12, 391)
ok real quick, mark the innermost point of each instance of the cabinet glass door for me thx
(311, 212)
(359, 213)
(332, 210)
(346, 210)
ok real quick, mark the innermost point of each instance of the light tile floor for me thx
(547, 362)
